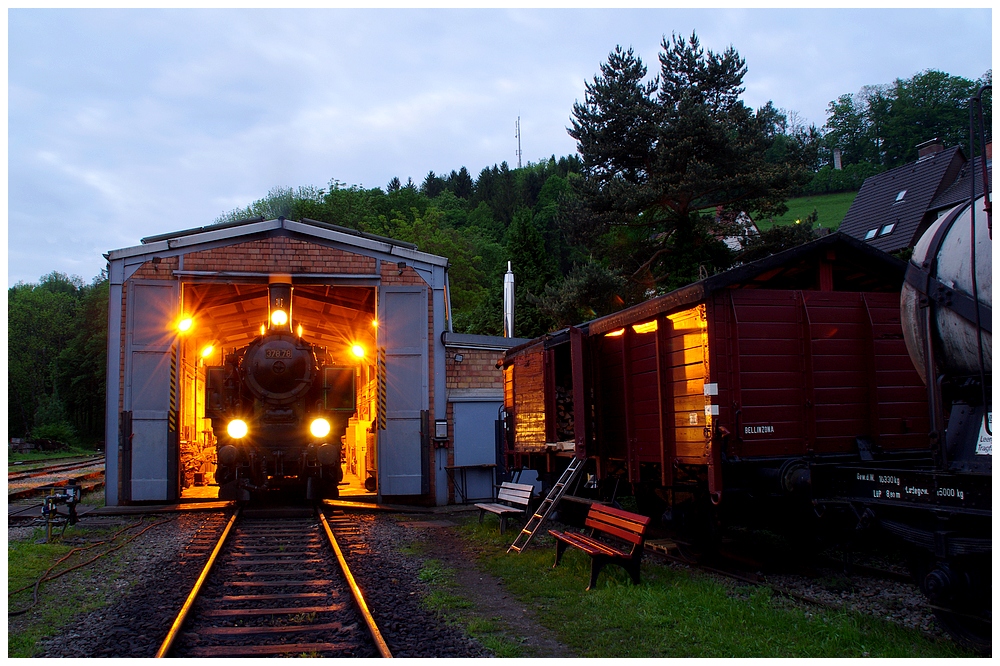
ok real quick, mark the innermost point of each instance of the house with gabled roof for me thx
(894, 208)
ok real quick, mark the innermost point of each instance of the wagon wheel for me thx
(959, 594)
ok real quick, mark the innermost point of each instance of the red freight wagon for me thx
(731, 385)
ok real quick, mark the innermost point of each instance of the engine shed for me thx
(181, 301)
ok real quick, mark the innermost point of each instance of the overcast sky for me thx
(129, 123)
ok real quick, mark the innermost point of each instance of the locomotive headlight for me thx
(237, 429)
(358, 351)
(279, 317)
(319, 428)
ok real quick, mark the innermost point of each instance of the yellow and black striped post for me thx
(381, 388)
(172, 414)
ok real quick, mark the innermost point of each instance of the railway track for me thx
(275, 586)
(21, 489)
(58, 468)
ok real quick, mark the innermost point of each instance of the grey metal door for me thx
(403, 334)
(148, 359)
(475, 444)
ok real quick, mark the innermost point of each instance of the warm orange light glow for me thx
(319, 428)
(615, 334)
(358, 351)
(237, 429)
(648, 327)
(374, 323)
(207, 351)
(279, 317)
(263, 329)
(185, 324)
(299, 330)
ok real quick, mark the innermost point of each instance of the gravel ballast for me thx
(148, 581)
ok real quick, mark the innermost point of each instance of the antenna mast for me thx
(517, 133)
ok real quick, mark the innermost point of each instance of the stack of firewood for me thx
(564, 413)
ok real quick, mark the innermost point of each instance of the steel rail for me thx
(355, 590)
(52, 469)
(168, 642)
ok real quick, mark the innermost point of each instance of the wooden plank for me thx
(273, 583)
(255, 631)
(238, 612)
(272, 597)
(259, 650)
(249, 561)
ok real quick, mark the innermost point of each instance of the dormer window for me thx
(871, 233)
(887, 229)
(900, 196)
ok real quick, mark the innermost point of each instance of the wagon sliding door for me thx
(686, 339)
(149, 356)
(403, 335)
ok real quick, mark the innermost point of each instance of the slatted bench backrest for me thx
(515, 493)
(627, 526)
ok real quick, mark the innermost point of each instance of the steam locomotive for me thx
(279, 407)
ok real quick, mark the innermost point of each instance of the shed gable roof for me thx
(900, 197)
(355, 241)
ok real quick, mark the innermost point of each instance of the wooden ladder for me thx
(545, 508)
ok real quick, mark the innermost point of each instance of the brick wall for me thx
(279, 255)
(476, 371)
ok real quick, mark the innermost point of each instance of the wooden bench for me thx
(626, 527)
(515, 494)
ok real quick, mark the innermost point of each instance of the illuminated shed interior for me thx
(228, 316)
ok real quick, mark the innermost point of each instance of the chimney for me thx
(837, 163)
(928, 148)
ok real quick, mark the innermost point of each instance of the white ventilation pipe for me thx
(508, 303)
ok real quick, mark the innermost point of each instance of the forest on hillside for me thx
(668, 163)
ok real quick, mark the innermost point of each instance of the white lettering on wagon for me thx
(758, 430)
(916, 491)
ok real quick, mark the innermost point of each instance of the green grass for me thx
(41, 456)
(680, 613)
(831, 209)
(26, 562)
(446, 600)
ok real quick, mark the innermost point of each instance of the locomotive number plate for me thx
(277, 353)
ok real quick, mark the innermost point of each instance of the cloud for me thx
(127, 123)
